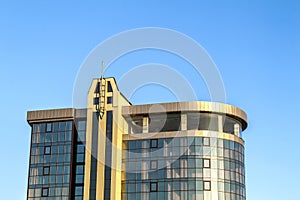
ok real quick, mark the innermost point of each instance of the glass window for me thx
(97, 90)
(206, 163)
(153, 187)
(47, 150)
(206, 185)
(68, 136)
(206, 141)
(153, 164)
(80, 148)
(109, 100)
(81, 136)
(228, 126)
(62, 126)
(79, 178)
(202, 121)
(78, 190)
(69, 125)
(61, 136)
(43, 127)
(79, 169)
(154, 143)
(208, 122)
(162, 123)
(45, 192)
(49, 127)
(199, 185)
(36, 128)
(80, 158)
(81, 125)
(66, 169)
(109, 88)
(46, 170)
(96, 101)
(55, 126)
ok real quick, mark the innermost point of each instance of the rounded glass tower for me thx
(189, 150)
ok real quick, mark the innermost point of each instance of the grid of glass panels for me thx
(184, 168)
(79, 160)
(108, 153)
(50, 161)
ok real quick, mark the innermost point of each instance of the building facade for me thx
(115, 150)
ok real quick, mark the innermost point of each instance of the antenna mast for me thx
(102, 70)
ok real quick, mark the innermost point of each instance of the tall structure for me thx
(115, 150)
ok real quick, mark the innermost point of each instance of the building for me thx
(115, 150)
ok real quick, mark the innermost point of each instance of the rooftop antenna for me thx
(102, 70)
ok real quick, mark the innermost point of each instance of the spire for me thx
(102, 70)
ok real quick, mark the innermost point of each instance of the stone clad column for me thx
(145, 124)
(183, 121)
(220, 123)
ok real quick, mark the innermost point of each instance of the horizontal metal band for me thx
(50, 115)
(189, 133)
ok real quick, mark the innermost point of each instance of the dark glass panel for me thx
(49, 127)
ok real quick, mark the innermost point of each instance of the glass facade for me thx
(50, 160)
(79, 160)
(108, 155)
(184, 168)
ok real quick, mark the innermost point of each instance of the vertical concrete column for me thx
(220, 123)
(237, 130)
(145, 124)
(183, 121)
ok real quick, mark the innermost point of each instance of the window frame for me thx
(204, 185)
(151, 188)
(109, 100)
(209, 163)
(208, 139)
(156, 164)
(51, 127)
(45, 148)
(45, 189)
(46, 167)
(154, 146)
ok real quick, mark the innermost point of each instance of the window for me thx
(97, 90)
(153, 164)
(46, 171)
(81, 125)
(47, 150)
(96, 101)
(154, 143)
(206, 163)
(45, 192)
(79, 169)
(79, 179)
(49, 127)
(109, 88)
(78, 191)
(206, 141)
(80, 148)
(109, 100)
(206, 185)
(153, 187)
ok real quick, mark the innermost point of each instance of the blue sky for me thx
(255, 45)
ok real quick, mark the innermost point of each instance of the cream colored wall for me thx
(118, 130)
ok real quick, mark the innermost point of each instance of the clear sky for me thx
(255, 45)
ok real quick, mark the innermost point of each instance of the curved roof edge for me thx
(202, 106)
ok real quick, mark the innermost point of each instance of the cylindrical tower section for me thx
(191, 150)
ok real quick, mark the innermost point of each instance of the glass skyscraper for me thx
(115, 150)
